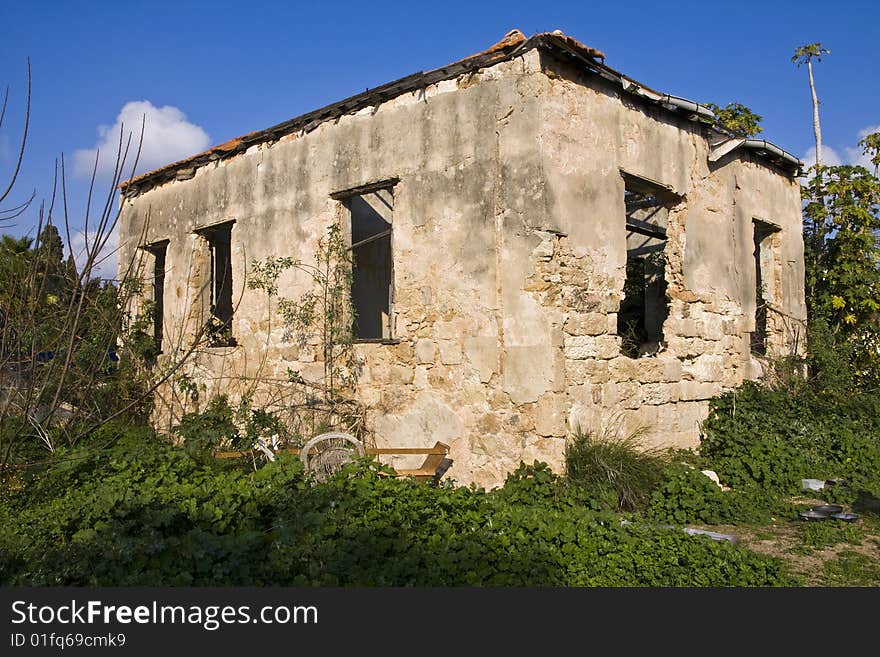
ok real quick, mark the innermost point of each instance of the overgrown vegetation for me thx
(687, 496)
(737, 119)
(772, 438)
(90, 496)
(323, 314)
(616, 469)
(842, 260)
(145, 513)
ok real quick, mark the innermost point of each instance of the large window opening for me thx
(762, 233)
(159, 251)
(219, 240)
(645, 305)
(372, 293)
(156, 254)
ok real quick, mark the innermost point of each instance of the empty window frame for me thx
(645, 305)
(762, 235)
(155, 267)
(372, 285)
(219, 239)
(158, 251)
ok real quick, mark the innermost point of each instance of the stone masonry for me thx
(512, 176)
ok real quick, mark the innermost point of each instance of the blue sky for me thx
(209, 71)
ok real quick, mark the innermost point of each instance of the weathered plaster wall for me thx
(591, 133)
(509, 252)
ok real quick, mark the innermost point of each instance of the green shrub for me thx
(221, 426)
(617, 469)
(141, 512)
(134, 511)
(689, 496)
(367, 530)
(852, 568)
(772, 439)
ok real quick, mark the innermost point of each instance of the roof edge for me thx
(512, 45)
(762, 147)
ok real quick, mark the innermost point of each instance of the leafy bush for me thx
(689, 496)
(140, 512)
(367, 530)
(617, 469)
(772, 439)
(222, 426)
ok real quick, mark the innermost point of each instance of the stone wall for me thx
(508, 252)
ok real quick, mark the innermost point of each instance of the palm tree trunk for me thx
(817, 131)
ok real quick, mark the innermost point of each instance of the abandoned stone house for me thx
(541, 245)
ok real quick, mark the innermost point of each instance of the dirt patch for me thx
(821, 553)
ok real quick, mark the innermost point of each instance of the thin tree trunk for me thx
(817, 131)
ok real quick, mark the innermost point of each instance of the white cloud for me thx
(168, 137)
(869, 131)
(855, 155)
(106, 261)
(830, 158)
(850, 154)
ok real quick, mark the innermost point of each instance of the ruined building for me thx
(541, 245)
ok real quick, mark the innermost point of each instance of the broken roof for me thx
(513, 44)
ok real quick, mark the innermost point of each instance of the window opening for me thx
(761, 235)
(645, 305)
(372, 265)
(219, 240)
(158, 251)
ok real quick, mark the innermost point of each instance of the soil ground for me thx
(823, 553)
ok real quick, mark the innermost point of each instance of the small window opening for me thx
(761, 233)
(219, 240)
(159, 250)
(372, 265)
(645, 305)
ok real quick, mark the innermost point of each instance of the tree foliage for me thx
(842, 262)
(737, 119)
(871, 147)
(59, 334)
(806, 53)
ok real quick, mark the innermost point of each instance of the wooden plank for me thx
(372, 238)
(644, 228)
(438, 449)
(407, 450)
(344, 194)
(230, 455)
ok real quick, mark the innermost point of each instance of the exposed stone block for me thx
(708, 367)
(482, 353)
(528, 372)
(622, 368)
(401, 374)
(450, 352)
(425, 351)
(658, 393)
(587, 324)
(650, 370)
(489, 423)
(671, 369)
(420, 378)
(580, 347)
(549, 415)
(696, 390)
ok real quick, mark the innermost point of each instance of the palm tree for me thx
(805, 55)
